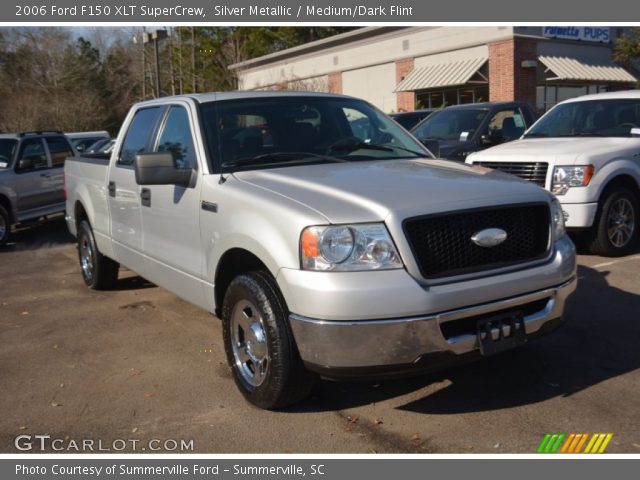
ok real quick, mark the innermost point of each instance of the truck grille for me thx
(535, 172)
(442, 244)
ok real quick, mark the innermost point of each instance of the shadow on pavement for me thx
(52, 233)
(600, 341)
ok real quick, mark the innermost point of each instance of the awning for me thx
(571, 68)
(447, 74)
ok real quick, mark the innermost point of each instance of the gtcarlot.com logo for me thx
(46, 443)
(574, 443)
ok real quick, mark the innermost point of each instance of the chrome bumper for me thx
(327, 345)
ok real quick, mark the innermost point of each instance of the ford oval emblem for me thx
(489, 237)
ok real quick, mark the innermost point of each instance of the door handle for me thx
(145, 197)
(112, 189)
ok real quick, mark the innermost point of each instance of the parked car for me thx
(31, 177)
(410, 119)
(321, 252)
(455, 132)
(82, 140)
(586, 151)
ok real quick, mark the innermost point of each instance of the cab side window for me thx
(138, 135)
(32, 156)
(507, 124)
(176, 138)
(59, 149)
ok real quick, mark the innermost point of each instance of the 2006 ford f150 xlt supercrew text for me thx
(325, 237)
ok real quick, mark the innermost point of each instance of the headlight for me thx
(557, 219)
(348, 248)
(565, 177)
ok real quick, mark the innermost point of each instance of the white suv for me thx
(587, 152)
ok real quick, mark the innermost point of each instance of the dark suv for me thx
(456, 131)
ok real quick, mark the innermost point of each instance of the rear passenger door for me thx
(32, 182)
(123, 193)
(171, 213)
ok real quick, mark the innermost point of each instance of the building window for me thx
(444, 97)
(549, 95)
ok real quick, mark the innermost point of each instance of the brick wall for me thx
(405, 101)
(508, 80)
(335, 82)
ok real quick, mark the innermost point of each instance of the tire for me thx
(266, 366)
(615, 230)
(98, 272)
(5, 226)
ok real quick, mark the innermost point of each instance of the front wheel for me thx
(259, 344)
(98, 272)
(615, 232)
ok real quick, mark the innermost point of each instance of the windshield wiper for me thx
(279, 158)
(536, 134)
(385, 147)
(582, 134)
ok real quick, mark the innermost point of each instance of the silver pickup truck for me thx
(31, 177)
(324, 236)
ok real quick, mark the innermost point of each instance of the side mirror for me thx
(160, 169)
(489, 139)
(635, 132)
(25, 164)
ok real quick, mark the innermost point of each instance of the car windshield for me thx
(589, 118)
(7, 149)
(268, 132)
(450, 124)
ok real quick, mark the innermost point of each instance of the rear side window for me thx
(138, 135)
(59, 149)
(176, 138)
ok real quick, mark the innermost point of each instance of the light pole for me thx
(155, 37)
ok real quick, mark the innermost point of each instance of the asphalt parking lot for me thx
(139, 363)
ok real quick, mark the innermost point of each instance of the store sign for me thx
(587, 34)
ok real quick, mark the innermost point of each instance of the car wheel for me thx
(98, 272)
(615, 232)
(5, 226)
(259, 344)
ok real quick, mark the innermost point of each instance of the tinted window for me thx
(32, 156)
(451, 124)
(269, 132)
(59, 150)
(176, 138)
(138, 135)
(507, 124)
(598, 118)
(7, 150)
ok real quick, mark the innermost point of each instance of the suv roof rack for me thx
(41, 132)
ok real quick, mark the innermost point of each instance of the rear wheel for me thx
(615, 232)
(260, 347)
(5, 226)
(98, 272)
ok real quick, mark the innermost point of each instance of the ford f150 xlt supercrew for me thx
(322, 251)
(585, 150)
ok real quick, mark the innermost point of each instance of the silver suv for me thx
(31, 177)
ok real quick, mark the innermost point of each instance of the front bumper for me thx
(579, 215)
(347, 348)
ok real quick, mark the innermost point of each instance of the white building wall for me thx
(374, 84)
(410, 42)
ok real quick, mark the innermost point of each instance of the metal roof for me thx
(574, 68)
(456, 72)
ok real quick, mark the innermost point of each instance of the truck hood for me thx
(373, 190)
(561, 151)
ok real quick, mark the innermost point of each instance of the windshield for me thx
(598, 118)
(7, 149)
(267, 132)
(450, 124)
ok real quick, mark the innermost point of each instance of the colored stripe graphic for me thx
(574, 443)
